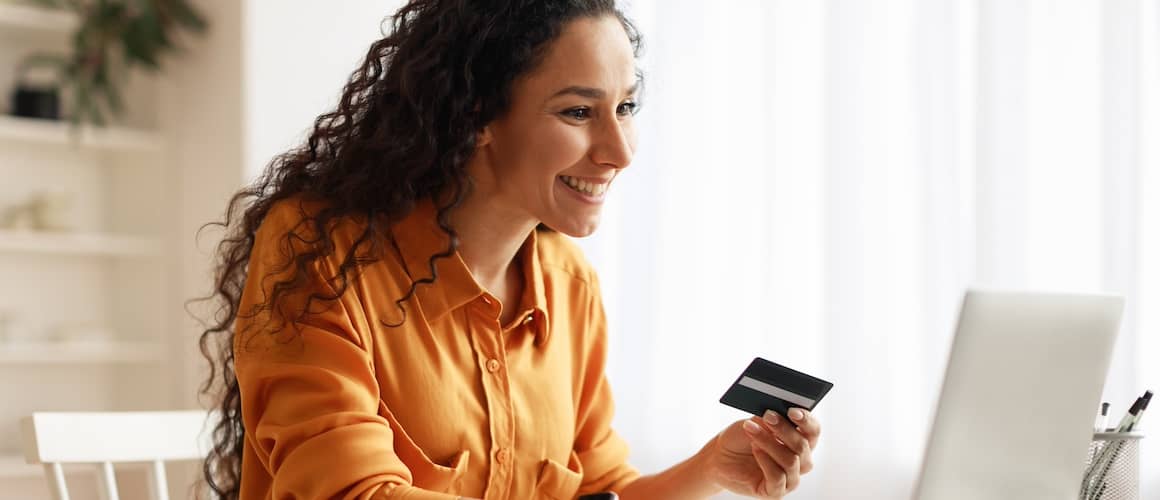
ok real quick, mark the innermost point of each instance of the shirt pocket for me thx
(558, 482)
(425, 473)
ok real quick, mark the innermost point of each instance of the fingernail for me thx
(796, 414)
(751, 427)
(771, 417)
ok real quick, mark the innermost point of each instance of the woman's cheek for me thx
(562, 147)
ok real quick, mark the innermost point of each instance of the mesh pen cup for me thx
(1113, 467)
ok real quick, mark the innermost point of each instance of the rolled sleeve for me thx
(602, 452)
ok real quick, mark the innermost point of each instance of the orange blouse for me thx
(340, 404)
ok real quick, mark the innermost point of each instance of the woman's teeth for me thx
(583, 186)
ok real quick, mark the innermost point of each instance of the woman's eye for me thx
(628, 108)
(578, 113)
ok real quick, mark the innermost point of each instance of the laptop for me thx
(1021, 390)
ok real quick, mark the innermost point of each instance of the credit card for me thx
(766, 385)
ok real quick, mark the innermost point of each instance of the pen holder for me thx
(1113, 467)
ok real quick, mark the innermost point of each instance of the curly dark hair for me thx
(403, 130)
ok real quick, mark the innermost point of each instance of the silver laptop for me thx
(1022, 387)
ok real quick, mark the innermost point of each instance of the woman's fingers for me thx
(784, 458)
(783, 448)
(775, 477)
(807, 425)
(786, 432)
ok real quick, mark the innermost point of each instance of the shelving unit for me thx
(94, 244)
(47, 353)
(112, 272)
(32, 19)
(53, 133)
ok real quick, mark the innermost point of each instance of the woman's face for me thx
(568, 133)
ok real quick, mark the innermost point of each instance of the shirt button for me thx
(486, 300)
(493, 365)
(529, 319)
(503, 456)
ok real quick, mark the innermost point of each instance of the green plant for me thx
(112, 37)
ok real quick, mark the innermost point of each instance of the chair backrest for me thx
(106, 438)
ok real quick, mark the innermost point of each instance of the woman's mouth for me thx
(584, 187)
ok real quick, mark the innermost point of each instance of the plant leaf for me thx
(186, 15)
(113, 37)
(106, 86)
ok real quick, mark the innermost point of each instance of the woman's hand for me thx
(764, 457)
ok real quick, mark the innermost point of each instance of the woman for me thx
(401, 317)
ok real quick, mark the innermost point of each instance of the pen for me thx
(1102, 421)
(1130, 417)
(1105, 454)
(1101, 426)
(1144, 400)
(1093, 481)
(1101, 483)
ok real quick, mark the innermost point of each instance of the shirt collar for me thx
(419, 237)
(534, 303)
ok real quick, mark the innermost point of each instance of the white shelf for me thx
(61, 133)
(79, 352)
(65, 243)
(33, 18)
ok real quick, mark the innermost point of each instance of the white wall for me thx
(298, 55)
(204, 113)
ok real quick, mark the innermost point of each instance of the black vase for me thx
(36, 102)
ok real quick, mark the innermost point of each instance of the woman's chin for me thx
(581, 228)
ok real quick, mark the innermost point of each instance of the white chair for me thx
(106, 438)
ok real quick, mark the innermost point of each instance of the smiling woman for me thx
(401, 316)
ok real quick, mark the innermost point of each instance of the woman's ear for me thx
(483, 137)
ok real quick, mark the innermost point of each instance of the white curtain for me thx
(818, 182)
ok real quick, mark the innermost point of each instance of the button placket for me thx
(487, 340)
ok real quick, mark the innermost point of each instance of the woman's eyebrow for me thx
(589, 92)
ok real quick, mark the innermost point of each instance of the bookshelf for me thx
(109, 274)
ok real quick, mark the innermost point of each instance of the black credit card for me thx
(766, 385)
